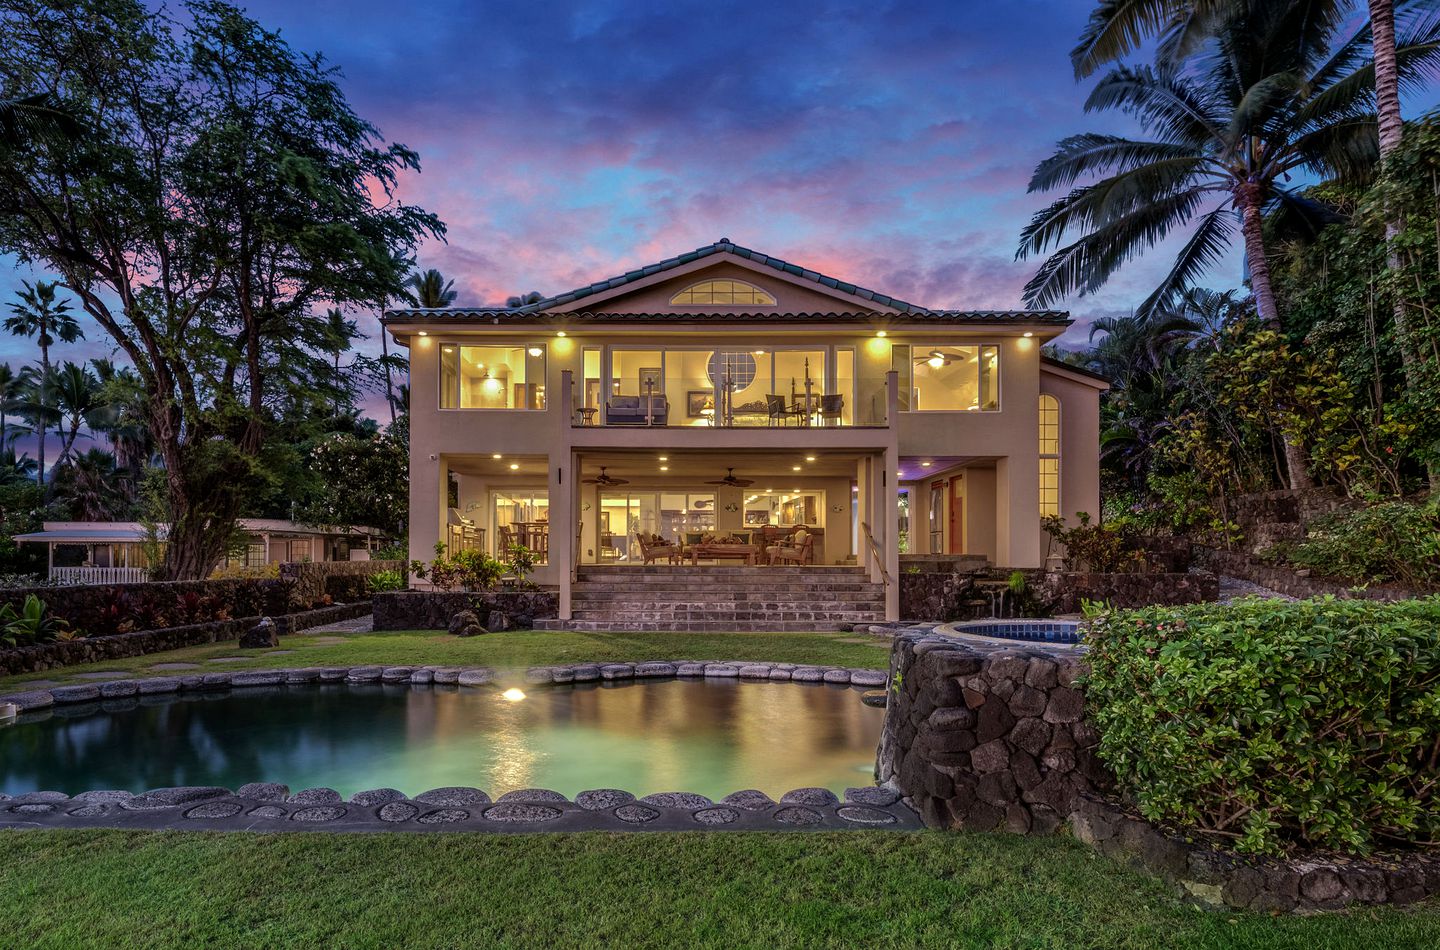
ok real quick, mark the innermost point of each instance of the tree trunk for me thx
(389, 386)
(42, 422)
(1248, 197)
(1392, 131)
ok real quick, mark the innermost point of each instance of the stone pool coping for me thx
(269, 807)
(564, 674)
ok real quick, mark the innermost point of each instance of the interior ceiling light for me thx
(880, 335)
(664, 468)
(497, 455)
(664, 458)
(1027, 334)
(925, 464)
(561, 334)
(936, 361)
(809, 458)
(535, 351)
(514, 466)
(422, 333)
(794, 468)
(449, 349)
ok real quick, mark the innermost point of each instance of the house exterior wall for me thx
(1002, 474)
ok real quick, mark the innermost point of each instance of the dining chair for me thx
(776, 408)
(832, 405)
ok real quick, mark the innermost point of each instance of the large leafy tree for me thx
(41, 313)
(1275, 93)
(222, 192)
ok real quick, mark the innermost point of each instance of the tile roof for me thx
(526, 317)
(726, 246)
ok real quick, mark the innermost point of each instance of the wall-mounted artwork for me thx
(697, 401)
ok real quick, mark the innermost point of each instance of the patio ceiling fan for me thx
(604, 480)
(938, 358)
(731, 480)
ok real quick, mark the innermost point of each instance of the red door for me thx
(957, 515)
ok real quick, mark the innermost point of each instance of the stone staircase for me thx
(666, 598)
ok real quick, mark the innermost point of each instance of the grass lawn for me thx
(514, 649)
(868, 889)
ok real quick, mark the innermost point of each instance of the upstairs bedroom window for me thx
(725, 293)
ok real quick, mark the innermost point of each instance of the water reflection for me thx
(711, 737)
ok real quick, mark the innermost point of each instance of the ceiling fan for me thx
(938, 358)
(604, 480)
(731, 480)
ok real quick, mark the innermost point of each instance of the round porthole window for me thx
(734, 369)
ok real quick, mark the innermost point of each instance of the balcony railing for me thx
(797, 410)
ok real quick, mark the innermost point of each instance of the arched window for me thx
(1049, 456)
(726, 293)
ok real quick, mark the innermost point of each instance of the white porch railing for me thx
(99, 575)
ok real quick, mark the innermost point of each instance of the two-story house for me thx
(724, 395)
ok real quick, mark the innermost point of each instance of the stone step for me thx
(694, 626)
(718, 570)
(722, 596)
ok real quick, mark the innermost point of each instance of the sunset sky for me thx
(887, 144)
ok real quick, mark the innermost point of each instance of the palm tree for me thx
(88, 485)
(524, 300)
(338, 333)
(13, 386)
(122, 417)
(430, 289)
(1269, 98)
(1117, 26)
(78, 403)
(40, 314)
(32, 117)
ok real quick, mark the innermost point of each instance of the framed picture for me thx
(652, 381)
(697, 401)
(757, 517)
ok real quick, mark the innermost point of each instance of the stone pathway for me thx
(1234, 587)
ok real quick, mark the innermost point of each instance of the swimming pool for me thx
(710, 736)
(1054, 632)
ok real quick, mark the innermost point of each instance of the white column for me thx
(561, 483)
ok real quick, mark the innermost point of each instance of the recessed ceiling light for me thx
(514, 466)
(759, 352)
(794, 468)
(664, 458)
(795, 489)
(449, 349)
(422, 333)
(497, 455)
(880, 334)
(664, 468)
(925, 464)
(1027, 334)
(561, 334)
(534, 351)
(809, 458)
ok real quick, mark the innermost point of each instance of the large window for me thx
(784, 509)
(1049, 456)
(521, 517)
(725, 293)
(492, 377)
(668, 514)
(943, 378)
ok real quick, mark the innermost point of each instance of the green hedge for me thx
(1277, 723)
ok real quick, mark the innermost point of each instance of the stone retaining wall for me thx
(986, 738)
(983, 737)
(84, 606)
(1065, 591)
(45, 656)
(1287, 581)
(432, 609)
(1272, 885)
(344, 581)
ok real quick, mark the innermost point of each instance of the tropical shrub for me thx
(261, 572)
(1273, 723)
(31, 624)
(1390, 541)
(1102, 548)
(467, 570)
(387, 580)
(398, 551)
